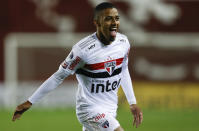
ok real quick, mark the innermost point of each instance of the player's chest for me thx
(106, 54)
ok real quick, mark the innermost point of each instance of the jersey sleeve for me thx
(126, 81)
(72, 62)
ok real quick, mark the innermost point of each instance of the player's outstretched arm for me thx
(20, 109)
(137, 113)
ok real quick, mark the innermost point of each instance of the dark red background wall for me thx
(19, 16)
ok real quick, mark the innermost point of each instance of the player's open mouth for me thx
(113, 31)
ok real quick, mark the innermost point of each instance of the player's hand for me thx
(138, 115)
(21, 109)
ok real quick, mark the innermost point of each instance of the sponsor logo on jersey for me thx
(91, 47)
(74, 63)
(105, 86)
(110, 66)
(64, 64)
(71, 55)
(99, 117)
(105, 124)
(122, 40)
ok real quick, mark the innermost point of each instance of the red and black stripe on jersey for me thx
(100, 66)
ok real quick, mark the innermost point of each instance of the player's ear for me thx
(96, 23)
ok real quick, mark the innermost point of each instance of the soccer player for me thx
(100, 62)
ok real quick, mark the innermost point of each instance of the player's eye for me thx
(108, 18)
(117, 18)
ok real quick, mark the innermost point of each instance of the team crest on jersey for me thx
(110, 66)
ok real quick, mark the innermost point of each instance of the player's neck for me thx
(102, 39)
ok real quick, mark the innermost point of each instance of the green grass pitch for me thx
(65, 120)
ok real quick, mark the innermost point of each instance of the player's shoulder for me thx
(121, 36)
(86, 42)
(123, 39)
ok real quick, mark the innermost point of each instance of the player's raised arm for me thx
(69, 66)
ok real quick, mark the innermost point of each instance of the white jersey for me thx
(98, 69)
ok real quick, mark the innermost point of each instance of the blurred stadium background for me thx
(36, 36)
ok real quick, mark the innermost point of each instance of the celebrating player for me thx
(100, 62)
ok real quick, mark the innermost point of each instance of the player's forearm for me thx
(128, 87)
(51, 83)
